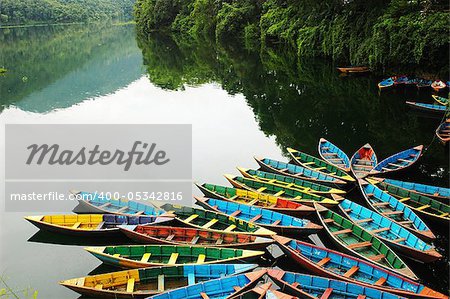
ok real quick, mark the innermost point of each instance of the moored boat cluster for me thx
(214, 251)
(420, 83)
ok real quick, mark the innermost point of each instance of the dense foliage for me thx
(376, 32)
(56, 11)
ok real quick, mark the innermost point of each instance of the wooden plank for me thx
(204, 295)
(173, 258)
(343, 231)
(376, 257)
(276, 222)
(392, 213)
(281, 192)
(323, 261)
(320, 168)
(116, 255)
(230, 228)
(309, 163)
(379, 230)
(235, 213)
(380, 204)
(295, 284)
(364, 220)
(444, 214)
(423, 207)
(252, 202)
(351, 271)
(161, 283)
(380, 281)
(145, 257)
(76, 225)
(404, 199)
(327, 293)
(190, 218)
(406, 222)
(256, 218)
(361, 296)
(201, 259)
(195, 240)
(98, 287)
(210, 223)
(261, 189)
(122, 209)
(219, 241)
(399, 240)
(328, 220)
(359, 245)
(170, 237)
(130, 285)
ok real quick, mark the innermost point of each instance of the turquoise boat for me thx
(277, 222)
(310, 286)
(333, 155)
(398, 161)
(94, 203)
(395, 210)
(296, 171)
(390, 232)
(428, 107)
(337, 265)
(217, 288)
(363, 161)
(427, 190)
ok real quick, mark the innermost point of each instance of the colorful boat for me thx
(151, 234)
(427, 190)
(394, 235)
(256, 199)
(297, 171)
(395, 210)
(222, 288)
(443, 131)
(90, 224)
(305, 185)
(213, 221)
(386, 83)
(354, 69)
(399, 161)
(263, 291)
(310, 286)
(141, 256)
(441, 100)
(400, 80)
(144, 282)
(423, 205)
(428, 107)
(361, 243)
(438, 85)
(329, 263)
(96, 203)
(281, 191)
(334, 155)
(363, 161)
(423, 83)
(277, 222)
(317, 164)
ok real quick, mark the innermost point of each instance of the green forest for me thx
(14, 12)
(375, 32)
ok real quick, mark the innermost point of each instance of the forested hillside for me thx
(63, 11)
(375, 32)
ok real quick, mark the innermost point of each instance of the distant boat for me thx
(335, 264)
(386, 83)
(398, 161)
(145, 282)
(423, 83)
(139, 256)
(441, 100)
(438, 85)
(333, 155)
(428, 107)
(443, 131)
(400, 80)
(363, 161)
(354, 69)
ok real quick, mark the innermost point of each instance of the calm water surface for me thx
(240, 102)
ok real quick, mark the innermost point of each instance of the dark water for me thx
(241, 102)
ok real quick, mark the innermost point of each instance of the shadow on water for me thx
(54, 238)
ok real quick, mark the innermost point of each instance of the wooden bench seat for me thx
(195, 240)
(276, 222)
(364, 220)
(173, 258)
(256, 218)
(423, 207)
(130, 285)
(161, 283)
(379, 230)
(190, 218)
(170, 237)
(380, 281)
(323, 261)
(145, 257)
(391, 213)
(359, 245)
(376, 258)
(399, 240)
(343, 231)
(380, 204)
(328, 220)
(201, 259)
(279, 193)
(235, 213)
(210, 223)
(351, 271)
(327, 293)
(230, 228)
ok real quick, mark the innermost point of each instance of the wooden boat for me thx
(192, 236)
(427, 190)
(363, 161)
(256, 199)
(443, 131)
(400, 80)
(395, 210)
(333, 155)
(89, 224)
(317, 164)
(145, 282)
(428, 107)
(213, 221)
(94, 203)
(223, 288)
(310, 286)
(394, 235)
(423, 83)
(329, 263)
(399, 161)
(297, 171)
(277, 222)
(441, 100)
(141, 256)
(305, 185)
(361, 243)
(438, 85)
(354, 69)
(282, 191)
(423, 205)
(386, 83)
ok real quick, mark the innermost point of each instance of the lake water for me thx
(241, 102)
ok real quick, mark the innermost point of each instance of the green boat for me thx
(361, 243)
(301, 184)
(282, 191)
(317, 164)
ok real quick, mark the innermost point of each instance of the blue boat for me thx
(423, 83)
(333, 155)
(96, 203)
(310, 286)
(296, 171)
(401, 80)
(395, 210)
(215, 289)
(386, 83)
(428, 107)
(398, 161)
(363, 161)
(390, 232)
(277, 222)
(426, 190)
(337, 265)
